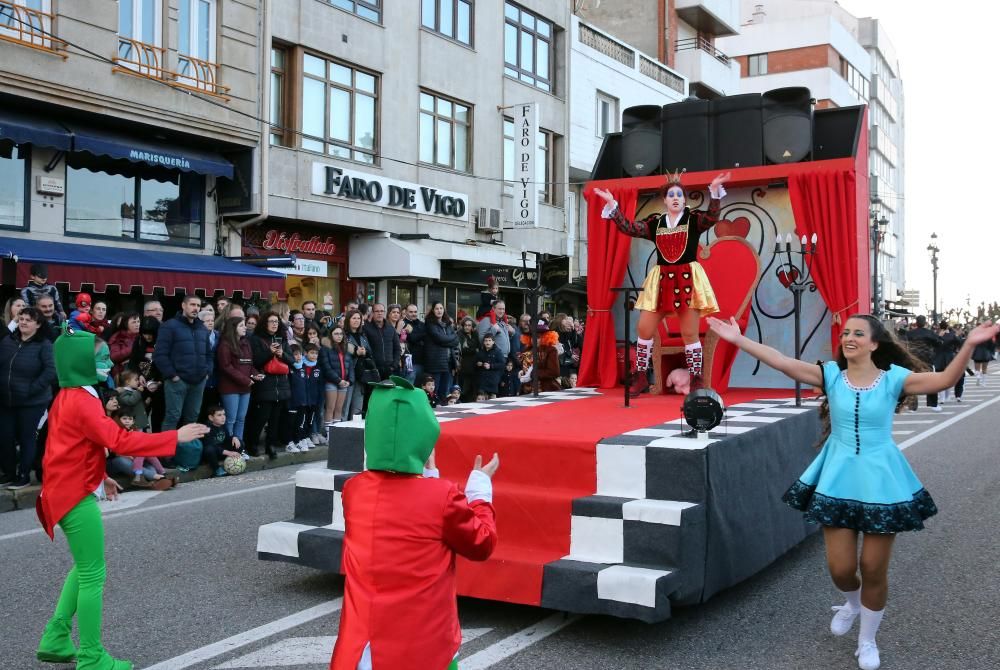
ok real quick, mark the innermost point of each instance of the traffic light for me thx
(370, 296)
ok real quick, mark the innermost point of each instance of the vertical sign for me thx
(525, 157)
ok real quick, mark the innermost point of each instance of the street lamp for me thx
(878, 229)
(932, 248)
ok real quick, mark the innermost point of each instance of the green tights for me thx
(82, 595)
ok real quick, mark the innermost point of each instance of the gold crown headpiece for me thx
(675, 178)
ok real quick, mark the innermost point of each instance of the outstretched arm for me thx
(703, 220)
(611, 211)
(920, 383)
(807, 373)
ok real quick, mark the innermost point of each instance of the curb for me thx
(25, 498)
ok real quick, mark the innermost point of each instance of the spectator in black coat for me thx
(416, 334)
(490, 363)
(185, 357)
(386, 351)
(440, 346)
(925, 344)
(269, 396)
(468, 348)
(27, 374)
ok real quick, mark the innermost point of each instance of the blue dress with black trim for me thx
(860, 479)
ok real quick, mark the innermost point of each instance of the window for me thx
(369, 9)
(452, 18)
(196, 44)
(527, 45)
(757, 65)
(13, 185)
(853, 76)
(137, 209)
(543, 164)
(140, 35)
(339, 104)
(277, 116)
(27, 21)
(607, 114)
(445, 132)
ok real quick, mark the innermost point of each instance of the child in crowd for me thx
(38, 276)
(80, 317)
(455, 395)
(509, 384)
(102, 355)
(427, 384)
(130, 399)
(489, 367)
(143, 468)
(218, 444)
(297, 384)
(481, 397)
(315, 390)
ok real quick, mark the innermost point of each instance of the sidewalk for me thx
(25, 498)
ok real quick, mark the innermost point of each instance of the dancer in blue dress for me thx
(860, 482)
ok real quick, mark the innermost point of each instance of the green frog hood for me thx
(75, 361)
(400, 427)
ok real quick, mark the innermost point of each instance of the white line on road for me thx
(944, 424)
(253, 635)
(154, 508)
(911, 422)
(902, 432)
(509, 646)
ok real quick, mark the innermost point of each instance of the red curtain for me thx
(608, 254)
(823, 203)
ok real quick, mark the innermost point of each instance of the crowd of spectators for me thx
(262, 379)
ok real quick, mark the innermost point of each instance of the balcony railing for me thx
(607, 46)
(135, 57)
(199, 75)
(702, 44)
(654, 70)
(29, 27)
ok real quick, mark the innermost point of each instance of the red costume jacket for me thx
(74, 463)
(403, 532)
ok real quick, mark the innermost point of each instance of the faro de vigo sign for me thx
(340, 182)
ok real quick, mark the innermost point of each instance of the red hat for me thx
(83, 299)
(492, 282)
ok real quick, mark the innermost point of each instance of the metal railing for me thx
(199, 75)
(607, 46)
(654, 70)
(29, 27)
(135, 57)
(702, 44)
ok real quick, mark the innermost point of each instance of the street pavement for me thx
(185, 589)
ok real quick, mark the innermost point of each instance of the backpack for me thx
(188, 456)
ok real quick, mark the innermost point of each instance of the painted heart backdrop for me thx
(760, 216)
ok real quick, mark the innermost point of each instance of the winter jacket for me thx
(121, 344)
(415, 340)
(133, 404)
(359, 340)
(501, 337)
(468, 348)
(183, 350)
(336, 366)
(571, 342)
(489, 380)
(28, 371)
(32, 292)
(439, 347)
(235, 368)
(273, 388)
(386, 350)
(923, 344)
(306, 384)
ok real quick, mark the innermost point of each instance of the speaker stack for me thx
(687, 136)
(641, 140)
(787, 125)
(737, 135)
(836, 132)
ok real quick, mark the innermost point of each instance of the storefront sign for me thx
(305, 267)
(293, 243)
(525, 147)
(505, 276)
(339, 182)
(555, 272)
(305, 242)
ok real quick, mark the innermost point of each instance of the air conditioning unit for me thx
(489, 219)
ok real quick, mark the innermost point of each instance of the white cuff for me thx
(432, 474)
(718, 193)
(609, 209)
(479, 487)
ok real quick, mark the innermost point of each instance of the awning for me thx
(153, 271)
(385, 256)
(119, 146)
(33, 129)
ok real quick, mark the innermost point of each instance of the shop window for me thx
(14, 176)
(136, 209)
(339, 109)
(445, 132)
(451, 18)
(527, 47)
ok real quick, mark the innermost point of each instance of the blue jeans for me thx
(183, 402)
(236, 405)
(418, 372)
(442, 386)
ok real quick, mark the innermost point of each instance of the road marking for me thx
(154, 508)
(944, 424)
(902, 432)
(904, 422)
(253, 635)
(294, 651)
(509, 646)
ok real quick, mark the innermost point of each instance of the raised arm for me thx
(807, 373)
(611, 211)
(705, 219)
(920, 383)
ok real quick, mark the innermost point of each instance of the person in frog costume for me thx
(79, 434)
(404, 526)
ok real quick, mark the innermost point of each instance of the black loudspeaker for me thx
(687, 136)
(641, 140)
(836, 132)
(788, 132)
(609, 160)
(737, 133)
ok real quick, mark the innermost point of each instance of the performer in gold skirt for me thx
(677, 284)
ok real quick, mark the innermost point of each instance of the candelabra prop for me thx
(796, 276)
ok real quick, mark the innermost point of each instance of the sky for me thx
(947, 59)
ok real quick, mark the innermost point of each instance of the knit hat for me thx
(75, 362)
(400, 427)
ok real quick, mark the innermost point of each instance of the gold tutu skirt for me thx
(672, 289)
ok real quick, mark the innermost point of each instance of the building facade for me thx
(843, 61)
(127, 132)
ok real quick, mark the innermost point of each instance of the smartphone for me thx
(275, 340)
